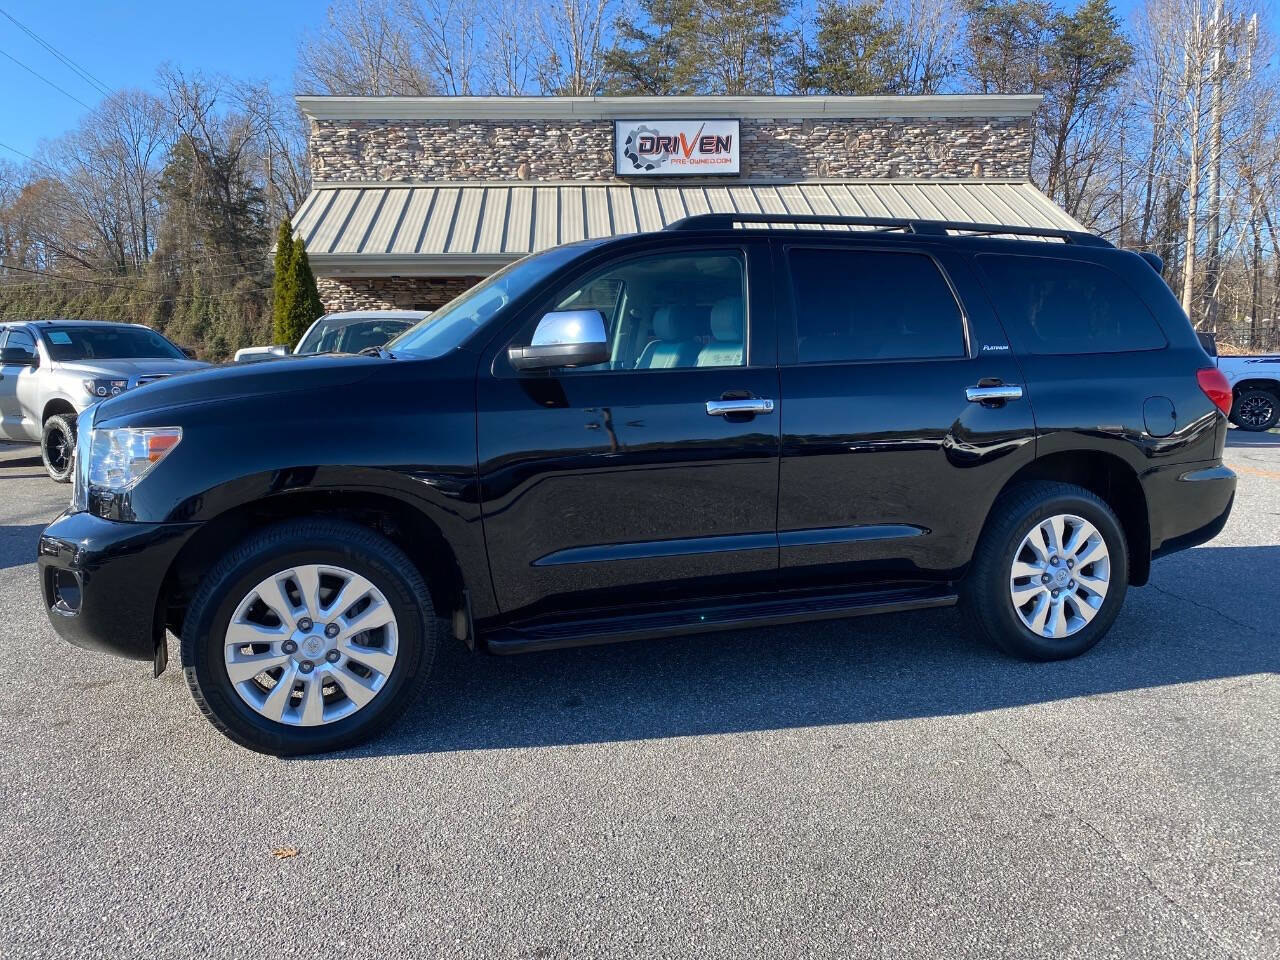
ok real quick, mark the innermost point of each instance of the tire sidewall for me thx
(61, 424)
(204, 649)
(1010, 624)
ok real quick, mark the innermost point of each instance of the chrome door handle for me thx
(993, 394)
(721, 408)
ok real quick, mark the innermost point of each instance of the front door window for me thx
(667, 312)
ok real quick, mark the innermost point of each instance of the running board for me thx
(551, 635)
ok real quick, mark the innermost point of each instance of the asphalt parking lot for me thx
(884, 787)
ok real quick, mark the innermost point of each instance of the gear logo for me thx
(631, 150)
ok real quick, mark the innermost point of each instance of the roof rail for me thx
(928, 228)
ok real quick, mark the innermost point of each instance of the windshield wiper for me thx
(381, 352)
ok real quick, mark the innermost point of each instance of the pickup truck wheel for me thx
(310, 636)
(58, 446)
(1050, 572)
(1255, 409)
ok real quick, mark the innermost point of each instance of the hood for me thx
(240, 380)
(129, 369)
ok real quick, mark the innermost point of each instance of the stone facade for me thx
(471, 150)
(390, 293)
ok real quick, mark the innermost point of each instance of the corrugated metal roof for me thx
(430, 225)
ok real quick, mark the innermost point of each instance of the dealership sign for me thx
(675, 148)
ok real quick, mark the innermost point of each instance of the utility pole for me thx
(1217, 75)
(1193, 86)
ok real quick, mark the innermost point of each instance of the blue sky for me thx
(122, 44)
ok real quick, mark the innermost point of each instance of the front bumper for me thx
(1188, 505)
(101, 581)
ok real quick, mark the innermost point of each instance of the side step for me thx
(786, 608)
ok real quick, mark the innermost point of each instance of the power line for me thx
(67, 61)
(40, 76)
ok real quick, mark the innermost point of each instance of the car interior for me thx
(669, 312)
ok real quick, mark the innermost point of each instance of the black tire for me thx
(292, 543)
(1255, 409)
(58, 447)
(986, 596)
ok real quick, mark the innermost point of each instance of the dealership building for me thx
(416, 198)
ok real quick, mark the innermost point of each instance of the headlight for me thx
(105, 388)
(119, 458)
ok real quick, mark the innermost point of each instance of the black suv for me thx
(736, 421)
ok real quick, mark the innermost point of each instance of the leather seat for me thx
(675, 327)
(726, 327)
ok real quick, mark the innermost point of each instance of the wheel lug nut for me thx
(1055, 594)
(304, 624)
(332, 656)
(1071, 584)
(1070, 564)
(1053, 561)
(289, 646)
(331, 631)
(306, 666)
(1044, 578)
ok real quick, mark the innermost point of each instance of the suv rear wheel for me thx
(58, 446)
(311, 636)
(1255, 409)
(1050, 572)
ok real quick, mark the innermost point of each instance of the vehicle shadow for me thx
(1244, 438)
(18, 544)
(9, 462)
(856, 671)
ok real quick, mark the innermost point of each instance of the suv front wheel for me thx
(1050, 572)
(311, 636)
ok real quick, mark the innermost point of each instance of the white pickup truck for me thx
(1255, 383)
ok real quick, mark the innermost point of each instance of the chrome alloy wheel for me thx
(1060, 576)
(310, 645)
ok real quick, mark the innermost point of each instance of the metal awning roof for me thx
(460, 229)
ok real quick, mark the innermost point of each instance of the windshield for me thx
(463, 315)
(343, 336)
(108, 342)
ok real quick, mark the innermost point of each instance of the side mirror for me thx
(564, 338)
(188, 353)
(16, 356)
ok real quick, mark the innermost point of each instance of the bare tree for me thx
(927, 54)
(572, 36)
(448, 33)
(508, 67)
(365, 49)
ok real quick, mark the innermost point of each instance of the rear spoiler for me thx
(1154, 260)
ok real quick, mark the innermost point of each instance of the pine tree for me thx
(304, 307)
(282, 293)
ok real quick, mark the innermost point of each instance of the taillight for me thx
(1215, 386)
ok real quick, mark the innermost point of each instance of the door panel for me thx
(887, 469)
(17, 381)
(608, 488)
(613, 486)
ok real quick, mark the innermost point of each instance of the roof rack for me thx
(927, 228)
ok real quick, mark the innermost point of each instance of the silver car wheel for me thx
(1060, 575)
(311, 645)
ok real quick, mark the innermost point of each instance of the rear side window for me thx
(872, 305)
(1054, 307)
